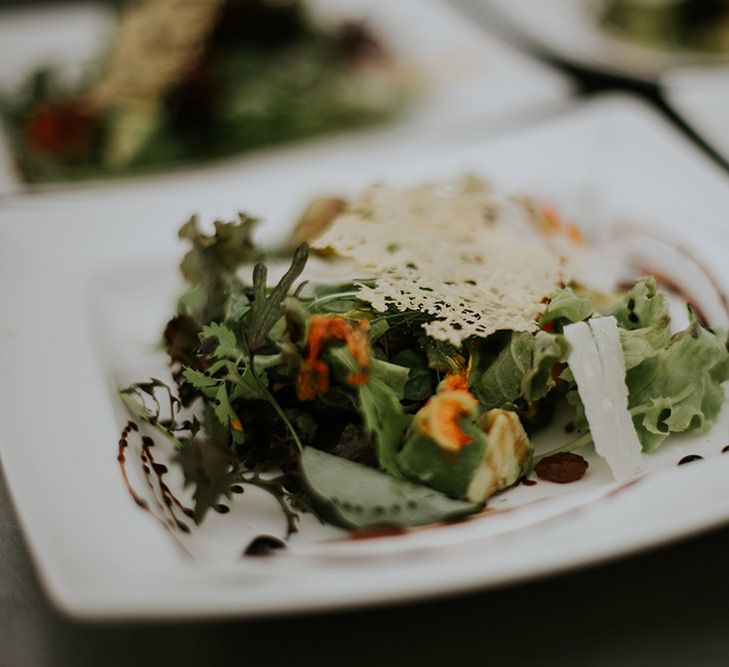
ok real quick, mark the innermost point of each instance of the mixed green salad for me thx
(229, 75)
(695, 25)
(368, 414)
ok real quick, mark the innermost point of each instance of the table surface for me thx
(666, 607)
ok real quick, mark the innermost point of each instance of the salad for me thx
(229, 76)
(695, 25)
(393, 366)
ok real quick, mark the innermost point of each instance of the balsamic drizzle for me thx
(170, 499)
(264, 545)
(147, 461)
(121, 458)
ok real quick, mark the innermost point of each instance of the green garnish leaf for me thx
(267, 310)
(207, 467)
(565, 307)
(644, 322)
(678, 389)
(423, 460)
(383, 417)
(353, 495)
(419, 385)
(500, 383)
(549, 349)
(209, 266)
(226, 345)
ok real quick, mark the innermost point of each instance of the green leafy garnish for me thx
(678, 389)
(356, 496)
(499, 382)
(207, 468)
(267, 309)
(565, 307)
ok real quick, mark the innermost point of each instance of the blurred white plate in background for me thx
(701, 96)
(94, 278)
(464, 75)
(570, 30)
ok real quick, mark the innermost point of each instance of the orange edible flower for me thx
(553, 223)
(314, 373)
(455, 381)
(440, 417)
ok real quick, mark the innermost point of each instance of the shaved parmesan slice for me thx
(598, 366)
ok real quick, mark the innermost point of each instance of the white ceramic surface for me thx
(90, 278)
(461, 74)
(569, 29)
(700, 95)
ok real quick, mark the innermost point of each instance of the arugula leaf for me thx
(207, 467)
(207, 385)
(420, 385)
(267, 310)
(500, 383)
(226, 345)
(565, 307)
(549, 349)
(393, 375)
(678, 389)
(383, 417)
(384, 420)
(353, 495)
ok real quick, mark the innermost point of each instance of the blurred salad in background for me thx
(685, 25)
(200, 79)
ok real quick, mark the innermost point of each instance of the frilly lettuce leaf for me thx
(644, 322)
(565, 307)
(678, 389)
(549, 349)
(522, 369)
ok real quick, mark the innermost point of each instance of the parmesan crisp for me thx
(451, 250)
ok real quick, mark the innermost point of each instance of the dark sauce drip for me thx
(725, 449)
(690, 458)
(528, 482)
(170, 499)
(171, 520)
(237, 488)
(221, 509)
(264, 545)
(373, 532)
(146, 458)
(122, 459)
(452, 521)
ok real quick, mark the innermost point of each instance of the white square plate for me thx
(570, 30)
(463, 75)
(89, 278)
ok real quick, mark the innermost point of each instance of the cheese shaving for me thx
(598, 366)
(448, 250)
